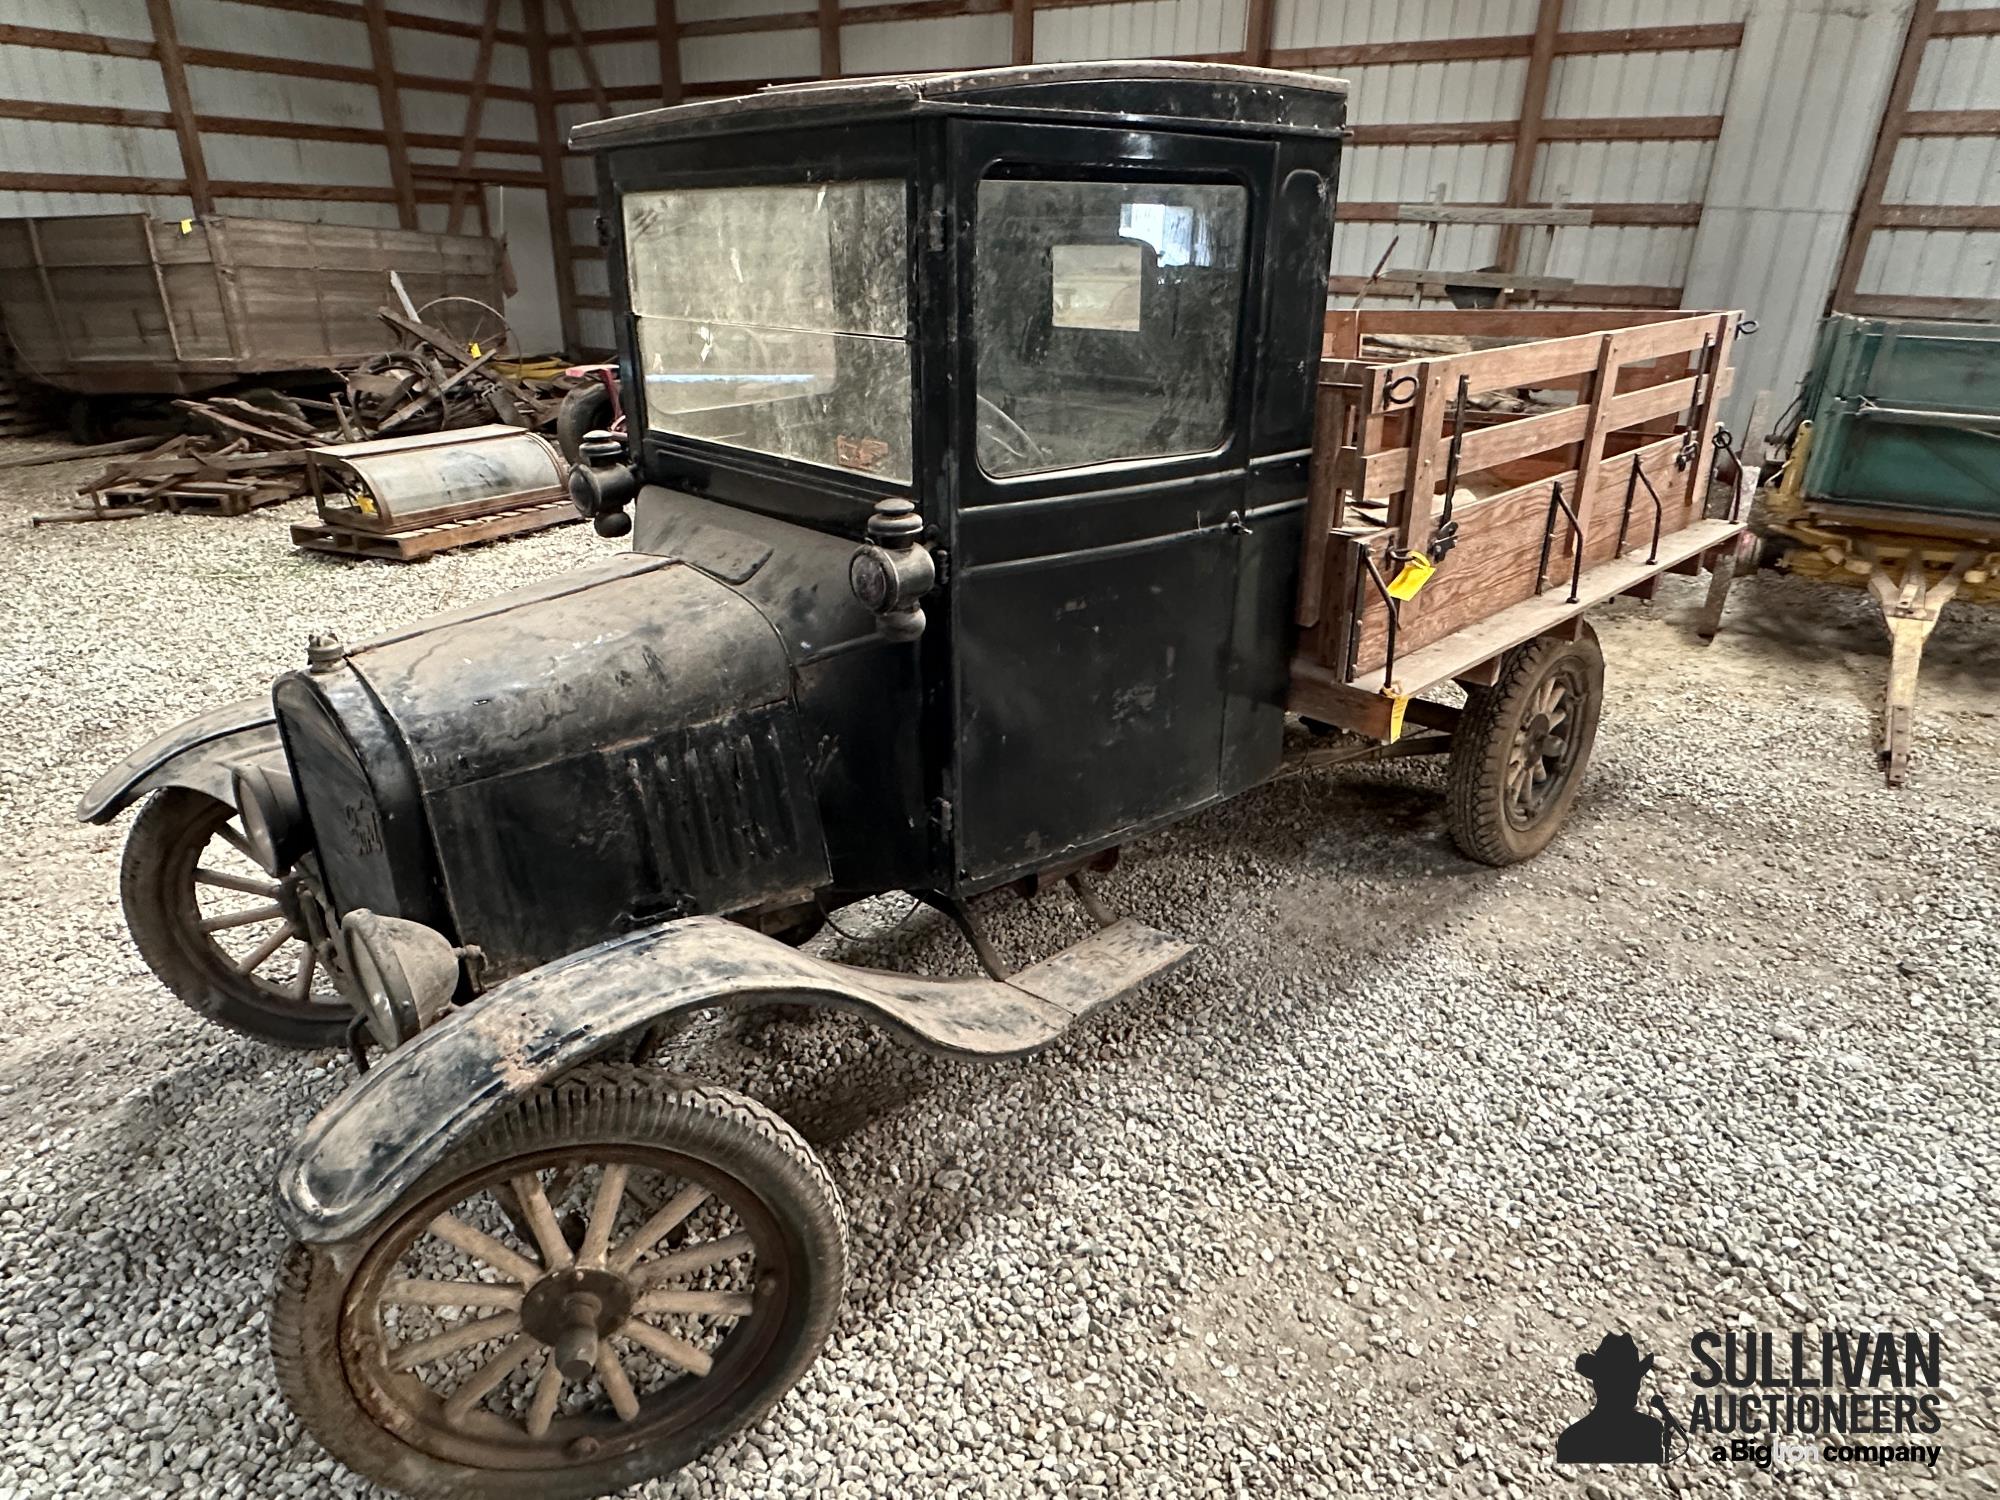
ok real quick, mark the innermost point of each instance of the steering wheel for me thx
(1009, 436)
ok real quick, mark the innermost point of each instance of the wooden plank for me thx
(1364, 211)
(1938, 216)
(1024, 32)
(1480, 213)
(1868, 207)
(1680, 38)
(667, 37)
(1533, 323)
(829, 38)
(1977, 309)
(1412, 509)
(50, 39)
(535, 24)
(1633, 128)
(1603, 407)
(173, 72)
(1984, 21)
(1951, 122)
(1691, 37)
(1581, 294)
(1463, 651)
(350, 10)
(86, 114)
(1257, 23)
(475, 105)
(382, 53)
(781, 20)
(425, 541)
(586, 59)
(1528, 135)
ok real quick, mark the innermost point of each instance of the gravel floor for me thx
(1330, 1212)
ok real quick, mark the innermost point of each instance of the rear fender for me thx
(370, 1146)
(200, 753)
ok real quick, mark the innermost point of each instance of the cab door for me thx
(1100, 389)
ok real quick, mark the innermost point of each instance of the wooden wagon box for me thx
(129, 304)
(1464, 502)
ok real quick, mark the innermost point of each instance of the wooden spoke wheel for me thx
(624, 1270)
(1519, 752)
(221, 931)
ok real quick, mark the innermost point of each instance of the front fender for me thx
(372, 1144)
(199, 753)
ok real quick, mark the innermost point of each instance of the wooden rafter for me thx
(829, 38)
(475, 105)
(382, 52)
(667, 34)
(593, 80)
(1895, 115)
(536, 28)
(167, 47)
(1024, 32)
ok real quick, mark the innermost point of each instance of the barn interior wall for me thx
(1720, 145)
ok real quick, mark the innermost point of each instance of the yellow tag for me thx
(1396, 707)
(475, 351)
(1414, 575)
(187, 226)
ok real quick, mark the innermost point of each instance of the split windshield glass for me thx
(776, 319)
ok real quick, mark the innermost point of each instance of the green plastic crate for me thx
(1906, 417)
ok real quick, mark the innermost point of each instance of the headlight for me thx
(274, 825)
(406, 973)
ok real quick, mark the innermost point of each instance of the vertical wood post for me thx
(384, 56)
(1590, 452)
(167, 46)
(1024, 32)
(1895, 112)
(535, 26)
(1534, 110)
(1257, 32)
(475, 105)
(829, 38)
(667, 27)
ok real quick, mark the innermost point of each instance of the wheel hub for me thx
(566, 1301)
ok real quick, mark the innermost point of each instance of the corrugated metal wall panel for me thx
(78, 78)
(234, 27)
(758, 55)
(1611, 15)
(1945, 169)
(1340, 23)
(266, 96)
(1958, 72)
(1150, 28)
(1640, 83)
(1788, 169)
(716, 10)
(120, 18)
(905, 46)
(1423, 93)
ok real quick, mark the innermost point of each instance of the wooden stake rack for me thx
(1465, 502)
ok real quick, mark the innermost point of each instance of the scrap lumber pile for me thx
(246, 453)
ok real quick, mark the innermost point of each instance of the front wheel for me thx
(1520, 748)
(619, 1273)
(222, 932)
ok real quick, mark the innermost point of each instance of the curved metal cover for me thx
(602, 756)
(416, 479)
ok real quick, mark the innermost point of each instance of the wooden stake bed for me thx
(1575, 449)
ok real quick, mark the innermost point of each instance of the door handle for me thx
(1237, 524)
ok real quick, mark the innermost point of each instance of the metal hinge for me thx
(942, 816)
(603, 232)
(935, 226)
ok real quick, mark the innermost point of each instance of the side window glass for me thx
(1107, 316)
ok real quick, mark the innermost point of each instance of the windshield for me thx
(776, 319)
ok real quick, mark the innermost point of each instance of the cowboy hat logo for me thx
(1615, 1431)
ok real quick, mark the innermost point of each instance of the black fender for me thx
(200, 753)
(372, 1144)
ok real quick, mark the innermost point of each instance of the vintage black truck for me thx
(970, 480)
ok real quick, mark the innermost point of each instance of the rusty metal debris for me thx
(253, 449)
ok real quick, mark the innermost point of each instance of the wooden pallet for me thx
(204, 500)
(446, 536)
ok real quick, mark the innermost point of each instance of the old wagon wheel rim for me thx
(1543, 756)
(608, 1297)
(247, 919)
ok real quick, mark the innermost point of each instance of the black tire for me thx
(326, 1348)
(157, 886)
(1502, 812)
(583, 411)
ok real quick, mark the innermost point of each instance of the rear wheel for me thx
(1520, 748)
(221, 931)
(619, 1273)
